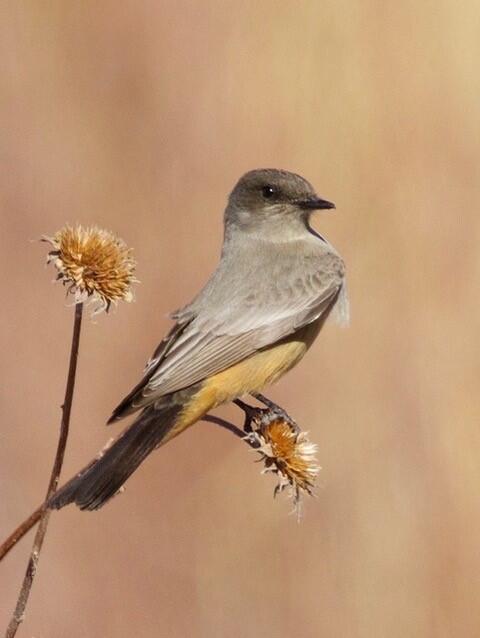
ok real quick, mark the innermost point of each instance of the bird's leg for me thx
(258, 415)
(276, 409)
(266, 401)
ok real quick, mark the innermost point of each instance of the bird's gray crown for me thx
(267, 196)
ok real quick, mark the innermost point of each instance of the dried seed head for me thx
(93, 264)
(286, 451)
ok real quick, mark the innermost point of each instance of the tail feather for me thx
(100, 480)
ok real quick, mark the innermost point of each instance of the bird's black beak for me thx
(315, 204)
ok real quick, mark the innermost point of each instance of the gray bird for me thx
(275, 285)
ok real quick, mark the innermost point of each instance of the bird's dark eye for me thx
(268, 192)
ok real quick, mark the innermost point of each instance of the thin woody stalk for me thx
(24, 527)
(20, 532)
(97, 267)
(43, 513)
(253, 415)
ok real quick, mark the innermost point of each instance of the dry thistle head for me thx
(94, 264)
(286, 451)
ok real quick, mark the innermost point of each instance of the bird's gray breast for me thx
(262, 275)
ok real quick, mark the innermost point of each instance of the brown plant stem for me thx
(20, 532)
(43, 513)
(234, 429)
(35, 516)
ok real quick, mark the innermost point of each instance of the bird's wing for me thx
(240, 311)
(128, 405)
(210, 343)
(202, 352)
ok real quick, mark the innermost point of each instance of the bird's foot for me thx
(255, 416)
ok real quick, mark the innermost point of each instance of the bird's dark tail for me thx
(102, 478)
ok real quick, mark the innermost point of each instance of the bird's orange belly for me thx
(247, 376)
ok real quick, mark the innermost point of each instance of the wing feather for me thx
(211, 334)
(201, 353)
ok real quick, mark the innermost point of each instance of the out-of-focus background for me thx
(140, 117)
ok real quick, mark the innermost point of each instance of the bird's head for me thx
(269, 197)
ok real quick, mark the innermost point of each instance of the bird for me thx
(276, 283)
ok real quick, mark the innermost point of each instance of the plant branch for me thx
(31, 521)
(42, 512)
(234, 429)
(20, 532)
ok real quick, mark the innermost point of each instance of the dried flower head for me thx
(286, 451)
(94, 265)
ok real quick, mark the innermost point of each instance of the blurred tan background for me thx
(140, 116)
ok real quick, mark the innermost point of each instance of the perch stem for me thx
(249, 410)
(42, 513)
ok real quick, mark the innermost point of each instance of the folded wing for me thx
(211, 338)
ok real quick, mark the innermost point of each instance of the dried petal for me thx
(94, 264)
(286, 451)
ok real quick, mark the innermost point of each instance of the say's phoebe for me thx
(276, 283)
